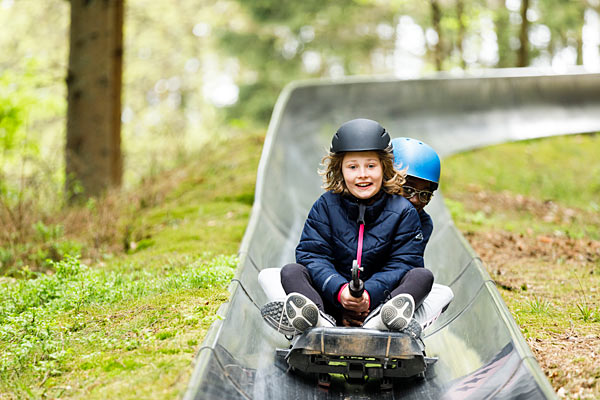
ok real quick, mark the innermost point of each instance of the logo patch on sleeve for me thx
(419, 237)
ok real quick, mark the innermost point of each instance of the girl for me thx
(363, 218)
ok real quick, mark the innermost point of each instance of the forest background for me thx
(199, 77)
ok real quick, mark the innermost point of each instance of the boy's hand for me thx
(351, 303)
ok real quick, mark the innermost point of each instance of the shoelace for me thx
(281, 318)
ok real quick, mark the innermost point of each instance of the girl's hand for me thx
(351, 303)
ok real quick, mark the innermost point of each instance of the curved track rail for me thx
(481, 352)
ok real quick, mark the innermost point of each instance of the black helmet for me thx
(360, 135)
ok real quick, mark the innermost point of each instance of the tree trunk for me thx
(501, 15)
(436, 18)
(579, 60)
(580, 35)
(93, 149)
(523, 55)
(460, 11)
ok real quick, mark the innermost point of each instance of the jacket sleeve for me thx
(406, 253)
(315, 252)
(426, 225)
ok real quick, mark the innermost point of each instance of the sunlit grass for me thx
(128, 325)
(588, 313)
(534, 178)
(61, 318)
(540, 306)
(563, 169)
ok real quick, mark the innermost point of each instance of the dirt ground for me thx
(550, 283)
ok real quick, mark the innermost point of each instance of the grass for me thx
(561, 169)
(127, 324)
(540, 174)
(530, 209)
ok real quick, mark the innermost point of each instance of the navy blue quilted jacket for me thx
(393, 244)
(426, 225)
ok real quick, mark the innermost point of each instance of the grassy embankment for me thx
(128, 325)
(531, 211)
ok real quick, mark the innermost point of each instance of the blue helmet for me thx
(420, 158)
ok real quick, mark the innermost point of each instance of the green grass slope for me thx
(128, 324)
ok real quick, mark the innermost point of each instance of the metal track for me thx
(481, 352)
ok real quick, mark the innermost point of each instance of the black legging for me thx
(295, 278)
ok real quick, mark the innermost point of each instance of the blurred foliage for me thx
(505, 31)
(194, 67)
(197, 70)
(24, 112)
(281, 41)
(565, 27)
(276, 42)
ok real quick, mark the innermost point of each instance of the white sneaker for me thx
(326, 320)
(373, 320)
(303, 314)
(398, 312)
(275, 317)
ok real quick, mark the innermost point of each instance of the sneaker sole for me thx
(301, 313)
(414, 329)
(397, 313)
(274, 316)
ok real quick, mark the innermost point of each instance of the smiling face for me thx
(362, 173)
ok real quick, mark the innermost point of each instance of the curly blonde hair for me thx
(333, 178)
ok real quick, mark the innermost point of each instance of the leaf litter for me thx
(552, 268)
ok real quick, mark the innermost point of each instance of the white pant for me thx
(432, 307)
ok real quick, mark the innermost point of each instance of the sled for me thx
(358, 354)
